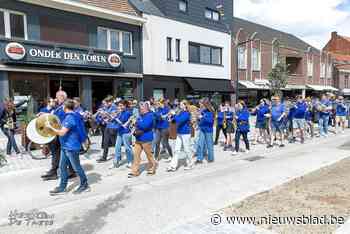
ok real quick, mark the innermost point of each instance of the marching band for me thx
(182, 129)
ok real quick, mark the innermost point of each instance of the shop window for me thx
(158, 94)
(111, 39)
(126, 90)
(13, 24)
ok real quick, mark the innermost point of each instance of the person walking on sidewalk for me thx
(71, 136)
(221, 124)
(278, 113)
(300, 110)
(341, 113)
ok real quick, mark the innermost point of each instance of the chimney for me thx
(334, 35)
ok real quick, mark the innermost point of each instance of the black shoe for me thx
(72, 175)
(269, 146)
(210, 161)
(82, 188)
(282, 145)
(51, 177)
(215, 143)
(101, 160)
(57, 191)
(198, 162)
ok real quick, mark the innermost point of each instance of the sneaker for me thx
(187, 168)
(247, 151)
(269, 146)
(82, 188)
(116, 164)
(51, 177)
(167, 160)
(198, 162)
(234, 153)
(282, 145)
(101, 160)
(57, 191)
(171, 169)
(129, 165)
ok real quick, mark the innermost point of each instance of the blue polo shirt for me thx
(261, 111)
(206, 122)
(112, 124)
(46, 110)
(183, 121)
(59, 112)
(145, 123)
(70, 141)
(220, 118)
(326, 103)
(229, 115)
(162, 123)
(243, 120)
(277, 111)
(123, 117)
(300, 110)
(341, 109)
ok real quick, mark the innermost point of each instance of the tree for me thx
(278, 78)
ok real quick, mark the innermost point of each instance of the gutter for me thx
(86, 9)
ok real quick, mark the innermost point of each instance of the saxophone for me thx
(224, 122)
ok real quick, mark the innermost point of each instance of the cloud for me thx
(311, 20)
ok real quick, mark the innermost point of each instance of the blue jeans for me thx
(11, 141)
(323, 124)
(72, 157)
(125, 140)
(205, 143)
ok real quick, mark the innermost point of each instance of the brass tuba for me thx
(38, 132)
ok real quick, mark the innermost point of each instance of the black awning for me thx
(210, 85)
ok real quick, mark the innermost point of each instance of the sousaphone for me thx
(39, 133)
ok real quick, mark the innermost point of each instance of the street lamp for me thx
(237, 74)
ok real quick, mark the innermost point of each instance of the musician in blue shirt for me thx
(144, 137)
(49, 108)
(242, 117)
(341, 113)
(278, 113)
(230, 128)
(110, 133)
(55, 146)
(261, 125)
(70, 136)
(300, 109)
(162, 128)
(123, 134)
(220, 124)
(325, 109)
(205, 140)
(183, 139)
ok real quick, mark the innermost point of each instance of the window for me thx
(168, 48)
(310, 66)
(2, 24)
(110, 39)
(212, 15)
(294, 65)
(323, 70)
(158, 94)
(13, 24)
(329, 71)
(242, 58)
(178, 50)
(204, 54)
(346, 80)
(256, 60)
(183, 6)
(275, 53)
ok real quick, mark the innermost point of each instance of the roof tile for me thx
(121, 6)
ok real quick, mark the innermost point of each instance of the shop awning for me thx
(294, 87)
(322, 88)
(346, 92)
(210, 85)
(248, 84)
(263, 84)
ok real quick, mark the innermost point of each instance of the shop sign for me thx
(35, 53)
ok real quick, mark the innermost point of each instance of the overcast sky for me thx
(311, 20)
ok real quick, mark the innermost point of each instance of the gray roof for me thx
(268, 34)
(146, 6)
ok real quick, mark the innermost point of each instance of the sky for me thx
(311, 20)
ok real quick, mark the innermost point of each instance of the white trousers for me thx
(182, 141)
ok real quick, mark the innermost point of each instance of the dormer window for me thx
(212, 14)
(183, 5)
